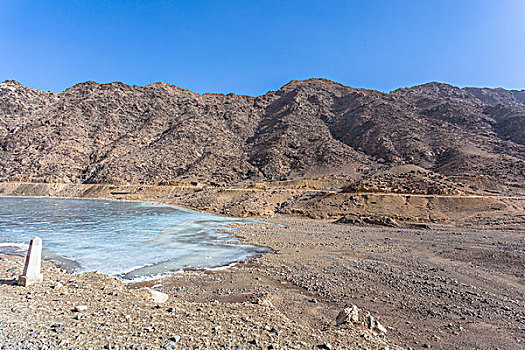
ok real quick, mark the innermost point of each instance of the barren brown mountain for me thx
(161, 134)
(408, 205)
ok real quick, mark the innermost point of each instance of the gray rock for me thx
(80, 308)
(158, 297)
(375, 326)
(169, 345)
(175, 338)
(350, 314)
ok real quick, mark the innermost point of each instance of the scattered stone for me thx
(375, 326)
(169, 345)
(265, 302)
(175, 338)
(272, 330)
(80, 308)
(350, 314)
(158, 297)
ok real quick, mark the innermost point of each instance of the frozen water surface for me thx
(132, 240)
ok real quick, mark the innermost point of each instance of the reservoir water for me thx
(131, 240)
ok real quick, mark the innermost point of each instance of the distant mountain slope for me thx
(115, 133)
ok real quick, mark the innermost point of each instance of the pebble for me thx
(169, 345)
(158, 297)
(175, 338)
(80, 308)
(273, 330)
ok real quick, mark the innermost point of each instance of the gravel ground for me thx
(93, 311)
(444, 288)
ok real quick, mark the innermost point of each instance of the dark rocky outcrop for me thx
(350, 219)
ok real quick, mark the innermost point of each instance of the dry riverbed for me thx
(444, 288)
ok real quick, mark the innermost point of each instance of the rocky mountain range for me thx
(162, 134)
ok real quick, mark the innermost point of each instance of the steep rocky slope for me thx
(162, 134)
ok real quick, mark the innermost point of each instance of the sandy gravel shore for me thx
(93, 311)
(443, 288)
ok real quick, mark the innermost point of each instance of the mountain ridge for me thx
(161, 83)
(160, 133)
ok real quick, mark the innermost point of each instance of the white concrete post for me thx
(32, 273)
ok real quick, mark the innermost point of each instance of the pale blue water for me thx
(131, 240)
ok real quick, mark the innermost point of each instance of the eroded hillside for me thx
(162, 134)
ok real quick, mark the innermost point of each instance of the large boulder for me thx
(350, 314)
(381, 220)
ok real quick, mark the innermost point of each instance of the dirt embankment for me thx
(312, 198)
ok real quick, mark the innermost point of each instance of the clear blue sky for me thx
(250, 47)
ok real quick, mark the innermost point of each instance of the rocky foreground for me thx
(442, 287)
(93, 311)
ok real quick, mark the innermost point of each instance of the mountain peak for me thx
(292, 84)
(11, 82)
